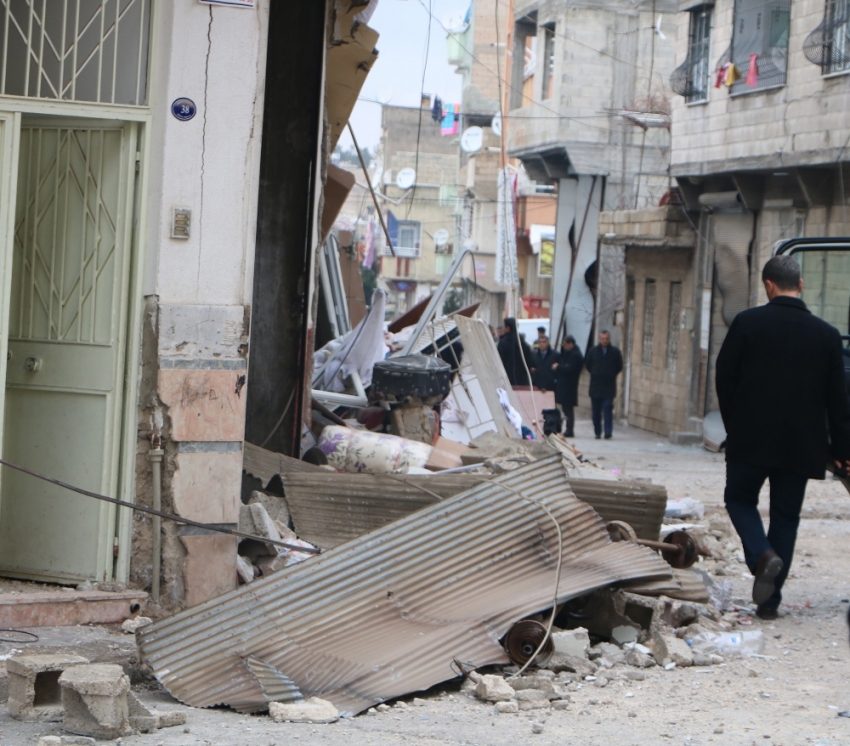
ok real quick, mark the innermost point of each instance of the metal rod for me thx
(371, 190)
(160, 513)
(156, 454)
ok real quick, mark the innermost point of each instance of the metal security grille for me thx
(648, 322)
(829, 44)
(760, 37)
(673, 324)
(691, 78)
(66, 235)
(75, 50)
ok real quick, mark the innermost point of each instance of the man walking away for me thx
(604, 363)
(542, 361)
(780, 383)
(567, 371)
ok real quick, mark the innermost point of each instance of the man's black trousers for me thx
(787, 491)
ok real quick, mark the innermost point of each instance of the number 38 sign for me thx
(184, 109)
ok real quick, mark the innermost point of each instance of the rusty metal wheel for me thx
(522, 641)
(687, 555)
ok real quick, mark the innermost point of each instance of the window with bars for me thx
(648, 322)
(760, 44)
(548, 61)
(691, 78)
(673, 325)
(75, 50)
(829, 44)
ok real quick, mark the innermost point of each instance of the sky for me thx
(397, 73)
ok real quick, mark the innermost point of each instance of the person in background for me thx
(604, 363)
(515, 354)
(781, 389)
(541, 332)
(542, 361)
(567, 370)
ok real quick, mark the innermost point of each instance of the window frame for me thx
(703, 12)
(758, 11)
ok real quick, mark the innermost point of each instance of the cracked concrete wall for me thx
(198, 290)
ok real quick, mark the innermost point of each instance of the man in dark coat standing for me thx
(567, 372)
(542, 361)
(780, 383)
(604, 363)
(515, 354)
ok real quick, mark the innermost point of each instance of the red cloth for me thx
(721, 75)
(753, 72)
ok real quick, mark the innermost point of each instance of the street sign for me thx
(184, 109)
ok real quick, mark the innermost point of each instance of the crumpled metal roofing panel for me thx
(387, 614)
(328, 509)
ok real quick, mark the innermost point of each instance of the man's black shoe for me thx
(569, 435)
(608, 436)
(598, 437)
(769, 566)
(768, 613)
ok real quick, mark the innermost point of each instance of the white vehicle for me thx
(529, 328)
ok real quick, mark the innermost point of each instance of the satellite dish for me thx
(375, 181)
(406, 178)
(441, 237)
(472, 139)
(496, 125)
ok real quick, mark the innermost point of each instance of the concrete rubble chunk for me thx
(276, 506)
(253, 519)
(530, 695)
(623, 634)
(550, 688)
(607, 654)
(494, 689)
(66, 741)
(678, 651)
(575, 642)
(244, 569)
(638, 659)
(141, 718)
(507, 707)
(314, 710)
(561, 662)
(534, 704)
(34, 691)
(131, 625)
(94, 696)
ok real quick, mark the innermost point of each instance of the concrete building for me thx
(588, 113)
(161, 194)
(422, 216)
(759, 135)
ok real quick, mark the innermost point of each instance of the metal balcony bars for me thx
(828, 45)
(691, 78)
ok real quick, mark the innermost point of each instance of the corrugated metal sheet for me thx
(265, 465)
(685, 585)
(387, 614)
(328, 509)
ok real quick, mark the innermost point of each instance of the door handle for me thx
(32, 364)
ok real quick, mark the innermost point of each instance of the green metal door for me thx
(68, 306)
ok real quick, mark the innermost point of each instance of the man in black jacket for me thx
(604, 363)
(567, 371)
(780, 384)
(542, 361)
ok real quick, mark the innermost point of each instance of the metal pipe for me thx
(156, 453)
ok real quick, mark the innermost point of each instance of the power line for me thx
(421, 94)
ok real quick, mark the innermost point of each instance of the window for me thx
(760, 43)
(829, 44)
(673, 325)
(548, 61)
(524, 61)
(691, 78)
(648, 322)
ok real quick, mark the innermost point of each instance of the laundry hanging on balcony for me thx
(753, 71)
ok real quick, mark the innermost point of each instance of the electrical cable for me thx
(421, 94)
(160, 513)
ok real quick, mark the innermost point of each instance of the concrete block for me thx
(494, 689)
(314, 710)
(206, 486)
(575, 642)
(34, 691)
(95, 700)
(275, 506)
(209, 569)
(253, 519)
(204, 405)
(141, 718)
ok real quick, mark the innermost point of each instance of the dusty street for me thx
(791, 695)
